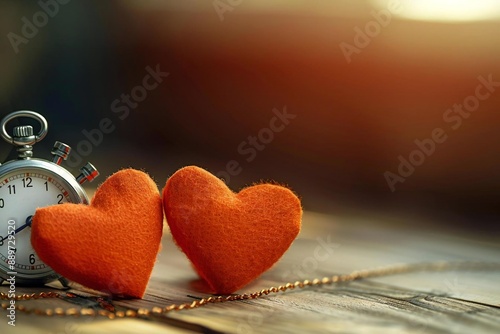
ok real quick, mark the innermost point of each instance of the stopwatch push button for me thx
(60, 152)
(89, 173)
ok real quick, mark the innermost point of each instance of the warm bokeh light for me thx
(447, 10)
(359, 112)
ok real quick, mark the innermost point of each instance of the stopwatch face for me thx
(22, 191)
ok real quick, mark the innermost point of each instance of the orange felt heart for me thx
(110, 245)
(231, 239)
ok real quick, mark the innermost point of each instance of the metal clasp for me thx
(23, 136)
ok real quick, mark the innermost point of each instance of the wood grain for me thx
(466, 301)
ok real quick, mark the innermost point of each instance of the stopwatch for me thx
(25, 185)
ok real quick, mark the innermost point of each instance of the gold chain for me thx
(111, 313)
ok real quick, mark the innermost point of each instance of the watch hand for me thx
(19, 229)
(28, 223)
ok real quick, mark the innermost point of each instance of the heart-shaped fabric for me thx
(110, 245)
(231, 239)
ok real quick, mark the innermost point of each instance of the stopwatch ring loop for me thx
(44, 127)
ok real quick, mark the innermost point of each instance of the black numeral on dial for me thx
(27, 182)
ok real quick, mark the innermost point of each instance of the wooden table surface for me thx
(462, 301)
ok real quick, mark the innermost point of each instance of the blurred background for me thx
(363, 80)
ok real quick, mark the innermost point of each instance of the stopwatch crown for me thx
(21, 132)
(22, 136)
(24, 139)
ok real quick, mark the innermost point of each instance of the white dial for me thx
(20, 195)
(24, 187)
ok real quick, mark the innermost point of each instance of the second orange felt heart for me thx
(110, 245)
(230, 238)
